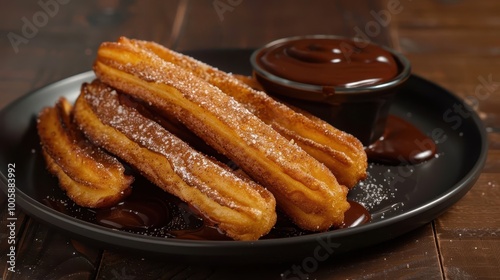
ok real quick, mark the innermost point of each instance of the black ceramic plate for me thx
(399, 199)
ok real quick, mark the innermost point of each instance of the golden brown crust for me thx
(172, 125)
(239, 207)
(90, 177)
(83, 194)
(341, 152)
(304, 188)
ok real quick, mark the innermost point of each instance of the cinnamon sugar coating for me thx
(88, 175)
(239, 207)
(305, 189)
(341, 152)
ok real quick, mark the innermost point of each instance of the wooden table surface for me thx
(454, 43)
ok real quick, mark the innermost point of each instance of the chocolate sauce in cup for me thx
(348, 83)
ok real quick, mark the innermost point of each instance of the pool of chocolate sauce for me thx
(326, 62)
(329, 62)
(150, 211)
(401, 143)
(348, 83)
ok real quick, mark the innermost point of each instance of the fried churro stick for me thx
(341, 152)
(238, 206)
(304, 188)
(172, 125)
(90, 177)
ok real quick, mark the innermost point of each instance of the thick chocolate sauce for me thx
(401, 143)
(150, 211)
(329, 62)
(356, 215)
(135, 214)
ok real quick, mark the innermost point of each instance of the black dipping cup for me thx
(361, 111)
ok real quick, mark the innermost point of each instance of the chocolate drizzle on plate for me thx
(401, 143)
(150, 211)
(356, 215)
(141, 212)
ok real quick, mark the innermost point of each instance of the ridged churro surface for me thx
(239, 207)
(88, 175)
(341, 152)
(304, 188)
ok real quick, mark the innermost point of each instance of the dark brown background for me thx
(453, 43)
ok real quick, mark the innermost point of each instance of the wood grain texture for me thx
(456, 44)
(9, 236)
(469, 232)
(250, 24)
(43, 253)
(67, 43)
(413, 255)
(453, 43)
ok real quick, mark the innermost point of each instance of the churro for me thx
(304, 188)
(236, 205)
(341, 152)
(89, 176)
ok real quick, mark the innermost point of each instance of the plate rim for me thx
(457, 191)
